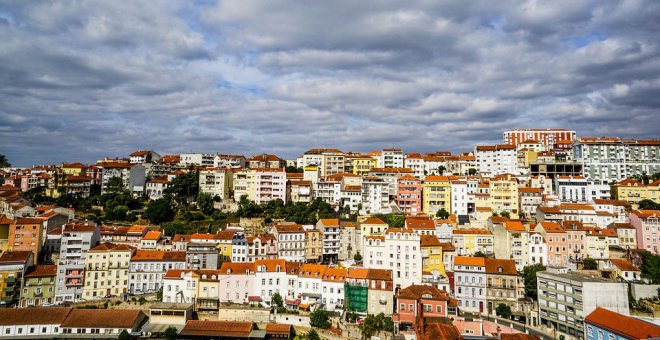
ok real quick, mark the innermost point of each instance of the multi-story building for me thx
(631, 191)
(432, 256)
(27, 234)
(216, 182)
(549, 138)
(626, 233)
(329, 228)
(265, 161)
(398, 251)
(511, 242)
(415, 162)
(310, 279)
(299, 191)
(106, 270)
(372, 226)
(201, 159)
(647, 225)
(239, 248)
(529, 199)
(148, 268)
(39, 286)
(504, 196)
(391, 158)
(537, 249)
(271, 277)
(313, 246)
(204, 255)
(13, 267)
(614, 159)
(599, 325)
(391, 177)
(133, 176)
(356, 296)
(244, 184)
(269, 184)
(144, 156)
(261, 247)
(469, 241)
(417, 300)
(380, 292)
(409, 194)
(555, 239)
(236, 282)
(375, 196)
(504, 286)
(76, 240)
(496, 159)
(332, 287)
(229, 161)
(461, 203)
(437, 194)
(470, 283)
(565, 299)
(363, 164)
(291, 239)
(155, 187)
(350, 239)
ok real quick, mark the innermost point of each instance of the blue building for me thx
(603, 324)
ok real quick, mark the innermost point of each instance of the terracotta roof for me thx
(621, 203)
(357, 273)
(531, 190)
(74, 165)
(575, 206)
(515, 226)
(312, 270)
(429, 241)
(293, 267)
(78, 178)
(518, 336)
(549, 210)
(501, 267)
(153, 235)
(415, 292)
(217, 329)
(438, 328)
(5, 220)
(373, 220)
(630, 182)
(103, 318)
(391, 170)
(289, 228)
(15, 256)
(264, 158)
(202, 236)
(379, 274)
(436, 178)
(472, 231)
(644, 214)
(625, 265)
(620, 226)
(111, 246)
(469, 261)
(330, 222)
(140, 153)
(626, 326)
(418, 223)
(280, 329)
(552, 227)
(159, 255)
(181, 238)
(42, 270)
(33, 316)
(226, 235)
(28, 220)
(138, 229)
(372, 237)
(334, 274)
(271, 265)
(447, 246)
(237, 268)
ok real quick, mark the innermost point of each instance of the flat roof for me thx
(574, 276)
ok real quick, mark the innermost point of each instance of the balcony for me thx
(8, 290)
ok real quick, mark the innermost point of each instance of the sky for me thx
(80, 80)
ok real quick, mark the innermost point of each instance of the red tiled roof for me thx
(33, 316)
(42, 271)
(289, 228)
(418, 223)
(626, 326)
(235, 268)
(373, 220)
(279, 329)
(159, 255)
(415, 292)
(644, 214)
(330, 222)
(153, 235)
(271, 265)
(15, 256)
(469, 261)
(103, 318)
(110, 246)
(501, 267)
(514, 226)
(430, 241)
(625, 265)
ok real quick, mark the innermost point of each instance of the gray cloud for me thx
(83, 79)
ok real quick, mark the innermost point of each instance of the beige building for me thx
(372, 226)
(216, 182)
(504, 195)
(243, 183)
(313, 246)
(106, 270)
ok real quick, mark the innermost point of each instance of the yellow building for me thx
(432, 255)
(5, 224)
(106, 270)
(372, 226)
(313, 246)
(632, 192)
(469, 241)
(244, 184)
(436, 194)
(504, 195)
(223, 240)
(362, 165)
(526, 156)
(73, 169)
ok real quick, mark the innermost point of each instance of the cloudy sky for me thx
(83, 79)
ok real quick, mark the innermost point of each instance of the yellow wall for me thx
(433, 260)
(361, 166)
(633, 194)
(436, 195)
(504, 196)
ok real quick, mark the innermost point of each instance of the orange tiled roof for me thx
(470, 261)
(153, 235)
(289, 228)
(330, 222)
(158, 255)
(552, 227)
(373, 220)
(419, 223)
(626, 326)
(312, 270)
(625, 265)
(514, 226)
(501, 267)
(333, 274)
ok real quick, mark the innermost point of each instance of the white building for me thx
(329, 228)
(270, 278)
(375, 196)
(470, 283)
(291, 241)
(310, 282)
(391, 158)
(400, 251)
(181, 285)
(415, 162)
(203, 159)
(332, 288)
(236, 282)
(538, 249)
(459, 197)
(148, 268)
(229, 161)
(496, 159)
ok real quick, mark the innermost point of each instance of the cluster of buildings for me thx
(472, 222)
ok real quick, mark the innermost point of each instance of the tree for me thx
(393, 220)
(319, 318)
(159, 294)
(115, 186)
(503, 310)
(293, 169)
(442, 214)
(171, 332)
(479, 254)
(313, 335)
(472, 171)
(529, 276)
(650, 266)
(184, 187)
(277, 300)
(124, 335)
(159, 211)
(4, 163)
(589, 263)
(647, 204)
(205, 203)
(357, 257)
(505, 214)
(118, 213)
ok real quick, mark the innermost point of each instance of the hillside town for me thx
(547, 235)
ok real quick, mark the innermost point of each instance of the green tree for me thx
(205, 203)
(472, 171)
(277, 300)
(393, 220)
(4, 163)
(159, 294)
(441, 169)
(320, 318)
(293, 169)
(370, 326)
(115, 186)
(479, 253)
(647, 204)
(589, 263)
(118, 213)
(650, 266)
(357, 257)
(184, 187)
(442, 214)
(505, 214)
(124, 335)
(529, 276)
(503, 310)
(171, 332)
(159, 211)
(388, 324)
(313, 335)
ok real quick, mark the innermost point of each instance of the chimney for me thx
(499, 332)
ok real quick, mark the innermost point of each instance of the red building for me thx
(548, 137)
(418, 301)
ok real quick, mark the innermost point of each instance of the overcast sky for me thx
(84, 79)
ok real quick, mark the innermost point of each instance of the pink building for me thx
(647, 226)
(556, 240)
(409, 194)
(575, 238)
(418, 300)
(236, 281)
(270, 184)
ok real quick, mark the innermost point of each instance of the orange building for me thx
(26, 234)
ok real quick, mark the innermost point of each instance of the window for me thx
(438, 309)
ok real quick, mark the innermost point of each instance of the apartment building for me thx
(470, 283)
(461, 201)
(201, 159)
(229, 161)
(556, 241)
(27, 234)
(399, 251)
(270, 184)
(549, 138)
(614, 159)
(469, 241)
(415, 162)
(244, 184)
(565, 299)
(13, 268)
(271, 277)
(409, 194)
(496, 159)
(148, 268)
(436, 194)
(504, 196)
(529, 199)
(599, 325)
(647, 226)
(236, 282)
(511, 240)
(75, 241)
(291, 240)
(391, 158)
(265, 161)
(329, 228)
(106, 270)
(631, 191)
(216, 182)
(375, 196)
(537, 249)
